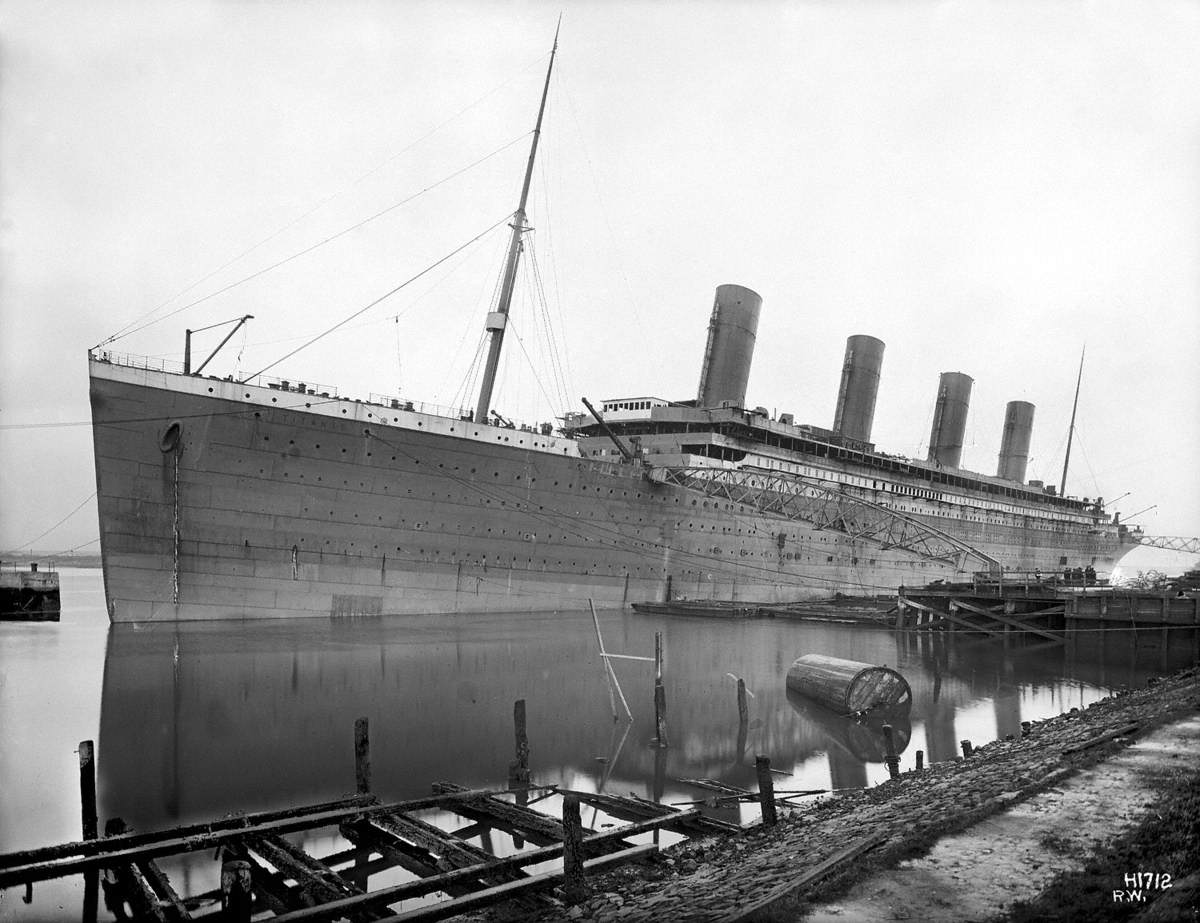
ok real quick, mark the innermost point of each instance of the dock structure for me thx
(1050, 609)
(28, 593)
(263, 867)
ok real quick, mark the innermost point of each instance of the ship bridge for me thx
(803, 500)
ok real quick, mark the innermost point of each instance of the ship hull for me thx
(219, 500)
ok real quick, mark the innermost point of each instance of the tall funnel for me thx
(1014, 444)
(950, 419)
(732, 331)
(860, 385)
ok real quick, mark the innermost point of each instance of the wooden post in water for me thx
(362, 756)
(967, 748)
(518, 769)
(87, 788)
(766, 790)
(575, 886)
(889, 744)
(87, 802)
(237, 891)
(660, 694)
(920, 760)
(743, 720)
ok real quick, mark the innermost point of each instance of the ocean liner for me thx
(265, 498)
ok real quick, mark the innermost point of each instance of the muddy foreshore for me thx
(761, 873)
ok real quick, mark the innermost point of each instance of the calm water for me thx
(194, 721)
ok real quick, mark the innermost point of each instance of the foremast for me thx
(1062, 484)
(497, 320)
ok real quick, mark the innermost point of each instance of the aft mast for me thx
(497, 320)
(1062, 486)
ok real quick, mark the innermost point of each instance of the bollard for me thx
(518, 769)
(575, 886)
(889, 743)
(766, 791)
(920, 760)
(967, 748)
(237, 891)
(362, 756)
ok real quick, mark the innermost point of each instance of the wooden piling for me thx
(920, 760)
(87, 789)
(87, 802)
(660, 694)
(237, 891)
(743, 720)
(766, 790)
(889, 743)
(967, 749)
(518, 769)
(575, 886)
(362, 756)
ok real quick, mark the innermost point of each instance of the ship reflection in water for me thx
(200, 719)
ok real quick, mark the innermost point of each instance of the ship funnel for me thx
(860, 385)
(950, 419)
(732, 331)
(1014, 444)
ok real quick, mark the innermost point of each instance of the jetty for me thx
(28, 593)
(1054, 609)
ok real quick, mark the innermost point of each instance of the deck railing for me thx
(385, 401)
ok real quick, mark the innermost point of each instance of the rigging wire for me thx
(545, 327)
(568, 386)
(533, 368)
(555, 331)
(381, 298)
(461, 112)
(502, 250)
(29, 544)
(312, 247)
(1087, 461)
(612, 237)
(463, 394)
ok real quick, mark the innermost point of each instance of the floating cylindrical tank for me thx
(732, 330)
(950, 419)
(859, 388)
(1014, 443)
(847, 686)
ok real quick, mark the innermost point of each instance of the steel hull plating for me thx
(267, 504)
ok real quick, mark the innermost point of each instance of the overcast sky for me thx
(987, 187)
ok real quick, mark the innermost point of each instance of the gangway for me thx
(801, 499)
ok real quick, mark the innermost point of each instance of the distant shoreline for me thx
(55, 560)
